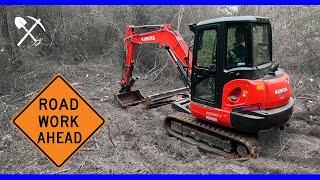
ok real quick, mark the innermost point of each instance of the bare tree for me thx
(5, 31)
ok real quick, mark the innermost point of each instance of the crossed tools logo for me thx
(21, 22)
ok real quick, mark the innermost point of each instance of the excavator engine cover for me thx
(129, 98)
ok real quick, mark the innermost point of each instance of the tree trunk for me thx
(5, 30)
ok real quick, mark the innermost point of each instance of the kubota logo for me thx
(281, 91)
(148, 38)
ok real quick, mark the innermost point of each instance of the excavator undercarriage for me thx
(212, 138)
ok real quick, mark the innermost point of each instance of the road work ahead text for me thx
(52, 124)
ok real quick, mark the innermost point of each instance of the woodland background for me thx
(75, 34)
(80, 33)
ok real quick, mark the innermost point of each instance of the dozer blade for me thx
(164, 98)
(129, 98)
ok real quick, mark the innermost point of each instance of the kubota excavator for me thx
(235, 89)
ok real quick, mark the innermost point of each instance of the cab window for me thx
(261, 53)
(236, 45)
(206, 62)
(206, 55)
(205, 89)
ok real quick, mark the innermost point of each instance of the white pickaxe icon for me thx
(20, 23)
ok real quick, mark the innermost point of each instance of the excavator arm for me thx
(167, 38)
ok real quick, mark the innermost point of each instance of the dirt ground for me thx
(141, 144)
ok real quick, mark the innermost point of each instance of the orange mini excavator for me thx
(234, 88)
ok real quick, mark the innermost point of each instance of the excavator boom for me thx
(165, 37)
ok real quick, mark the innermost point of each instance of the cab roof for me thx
(234, 19)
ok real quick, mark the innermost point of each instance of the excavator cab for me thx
(234, 82)
(225, 49)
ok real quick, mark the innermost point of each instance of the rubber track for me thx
(249, 141)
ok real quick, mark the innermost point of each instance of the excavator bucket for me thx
(129, 98)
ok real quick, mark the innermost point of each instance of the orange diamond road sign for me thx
(58, 121)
